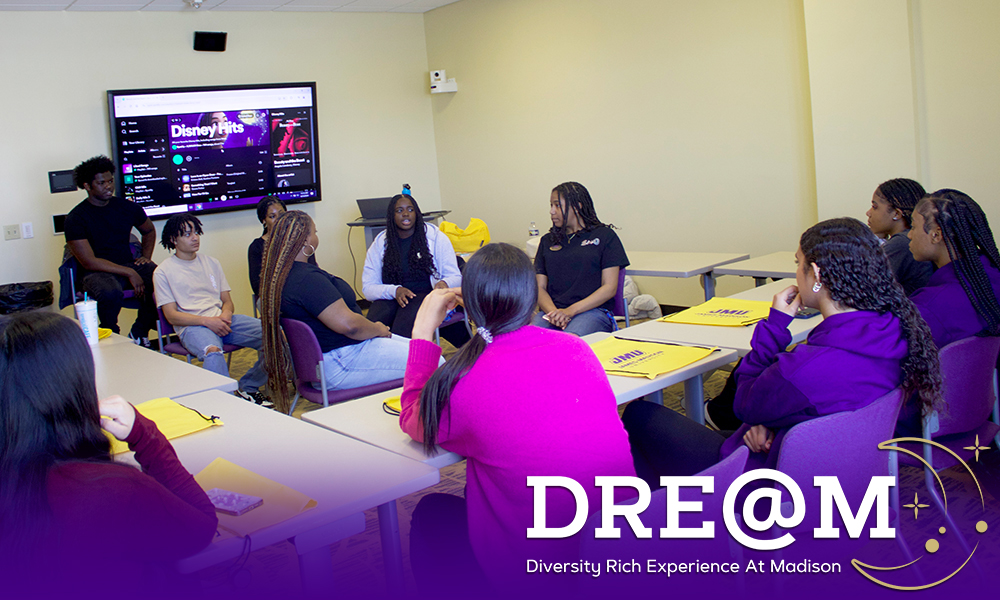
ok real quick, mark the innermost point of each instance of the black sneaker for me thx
(258, 398)
(140, 341)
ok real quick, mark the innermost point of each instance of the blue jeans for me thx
(591, 321)
(246, 332)
(370, 362)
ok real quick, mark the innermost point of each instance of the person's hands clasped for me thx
(403, 296)
(787, 301)
(120, 416)
(217, 325)
(758, 439)
(433, 311)
(559, 317)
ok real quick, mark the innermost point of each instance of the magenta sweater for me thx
(537, 402)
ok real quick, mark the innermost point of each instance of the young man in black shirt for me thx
(98, 231)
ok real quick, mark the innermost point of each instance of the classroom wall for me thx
(375, 119)
(689, 122)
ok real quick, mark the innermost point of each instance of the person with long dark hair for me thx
(497, 403)
(68, 512)
(871, 341)
(890, 219)
(951, 231)
(356, 351)
(404, 263)
(577, 265)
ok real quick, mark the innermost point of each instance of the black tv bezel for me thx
(115, 151)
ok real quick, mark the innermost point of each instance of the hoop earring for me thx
(817, 287)
(304, 250)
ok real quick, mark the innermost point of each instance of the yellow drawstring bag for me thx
(470, 239)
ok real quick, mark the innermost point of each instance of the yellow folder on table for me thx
(172, 419)
(631, 358)
(726, 312)
(280, 502)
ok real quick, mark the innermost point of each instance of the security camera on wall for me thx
(440, 83)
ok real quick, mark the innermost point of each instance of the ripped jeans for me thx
(246, 332)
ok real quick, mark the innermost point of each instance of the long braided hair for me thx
(903, 195)
(856, 272)
(500, 293)
(575, 196)
(420, 259)
(291, 233)
(967, 235)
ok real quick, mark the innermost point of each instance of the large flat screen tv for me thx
(211, 149)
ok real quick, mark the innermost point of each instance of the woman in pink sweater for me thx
(517, 401)
(71, 520)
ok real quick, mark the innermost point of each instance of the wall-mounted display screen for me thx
(211, 149)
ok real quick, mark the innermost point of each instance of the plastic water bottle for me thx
(532, 230)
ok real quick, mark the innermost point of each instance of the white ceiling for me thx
(406, 6)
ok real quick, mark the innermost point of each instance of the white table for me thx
(681, 264)
(344, 476)
(777, 265)
(139, 374)
(736, 338)
(363, 419)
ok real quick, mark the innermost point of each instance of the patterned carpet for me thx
(358, 560)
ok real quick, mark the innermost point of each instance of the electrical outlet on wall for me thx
(12, 232)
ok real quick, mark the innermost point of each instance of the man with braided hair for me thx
(889, 218)
(960, 299)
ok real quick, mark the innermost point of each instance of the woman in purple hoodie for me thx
(871, 341)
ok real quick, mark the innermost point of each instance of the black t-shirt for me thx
(255, 258)
(574, 271)
(307, 292)
(107, 228)
(418, 282)
(910, 273)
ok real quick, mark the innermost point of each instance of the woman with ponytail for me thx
(356, 351)
(960, 300)
(871, 341)
(517, 400)
(890, 218)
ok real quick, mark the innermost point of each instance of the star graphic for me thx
(977, 448)
(916, 506)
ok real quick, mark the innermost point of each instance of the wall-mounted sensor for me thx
(441, 84)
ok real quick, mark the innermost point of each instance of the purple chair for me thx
(628, 547)
(621, 307)
(307, 359)
(844, 445)
(968, 368)
(458, 317)
(164, 330)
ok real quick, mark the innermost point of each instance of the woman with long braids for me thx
(69, 514)
(404, 263)
(890, 218)
(871, 341)
(496, 403)
(356, 351)
(960, 300)
(577, 265)
(268, 210)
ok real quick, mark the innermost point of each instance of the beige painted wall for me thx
(860, 75)
(688, 121)
(375, 119)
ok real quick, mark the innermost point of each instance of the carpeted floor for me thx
(358, 559)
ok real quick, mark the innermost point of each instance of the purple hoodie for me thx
(849, 361)
(946, 307)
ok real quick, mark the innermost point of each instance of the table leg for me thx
(694, 399)
(759, 281)
(657, 397)
(316, 570)
(392, 552)
(708, 280)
